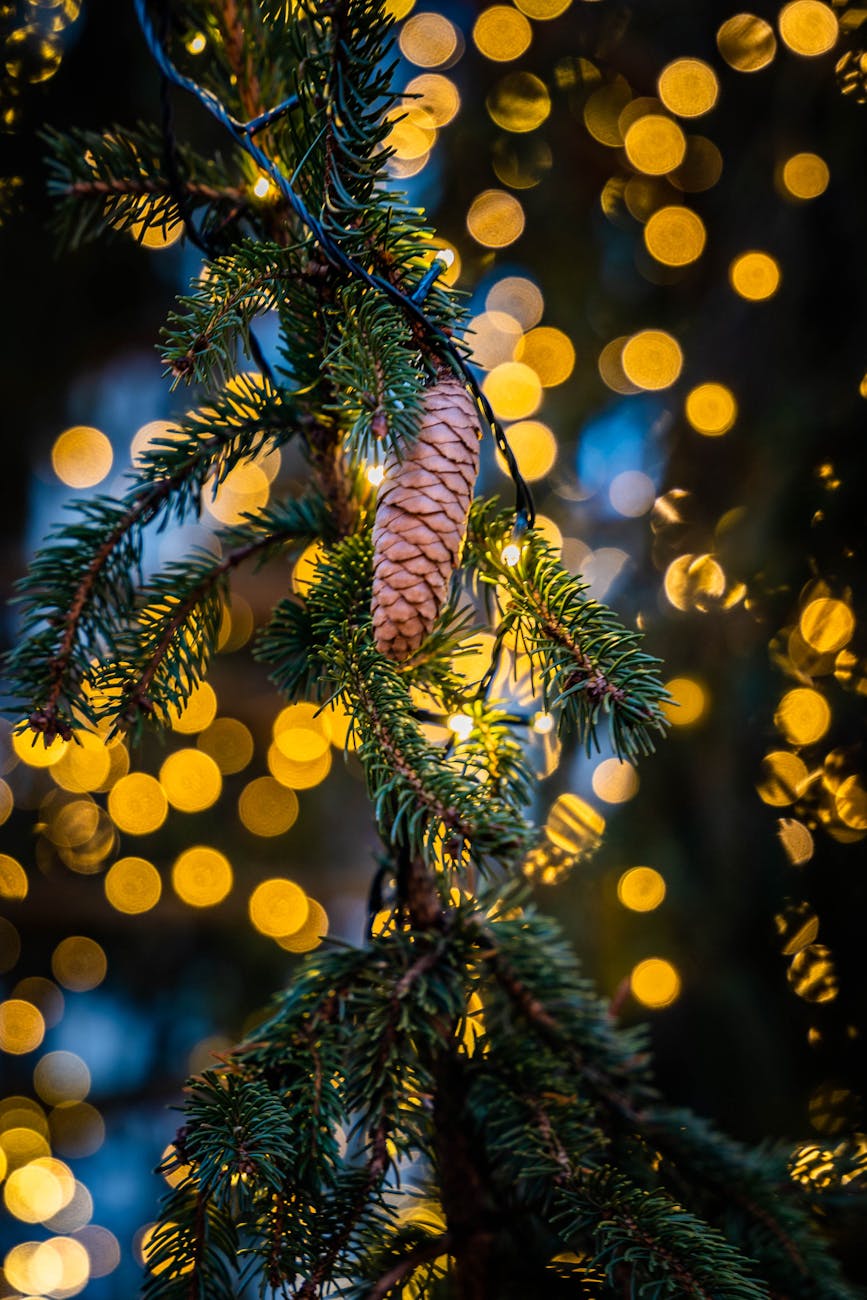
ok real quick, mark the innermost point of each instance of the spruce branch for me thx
(591, 669)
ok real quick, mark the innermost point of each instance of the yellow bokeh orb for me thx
(784, 778)
(81, 457)
(519, 102)
(652, 359)
(304, 572)
(198, 712)
(514, 390)
(34, 1193)
(191, 779)
(675, 235)
(495, 219)
(7, 801)
(615, 780)
(694, 582)
(85, 765)
(202, 876)
(654, 144)
(803, 716)
(133, 885)
(429, 40)
(297, 774)
(549, 352)
(747, 43)
(755, 276)
(534, 447)
(229, 743)
(851, 802)
(711, 409)
(437, 98)
(805, 176)
(610, 366)
(309, 935)
(543, 10)
(641, 889)
(266, 807)
(827, 625)
(137, 804)
(518, 298)
(79, 963)
(688, 701)
(502, 33)
(22, 1027)
(573, 825)
(688, 87)
(655, 983)
(13, 879)
(278, 907)
(31, 748)
(808, 27)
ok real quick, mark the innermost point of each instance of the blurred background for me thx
(658, 217)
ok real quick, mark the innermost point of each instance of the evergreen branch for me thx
(165, 652)
(83, 583)
(118, 179)
(646, 1234)
(201, 339)
(590, 666)
(404, 1267)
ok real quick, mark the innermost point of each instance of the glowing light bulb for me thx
(543, 723)
(375, 475)
(262, 188)
(461, 724)
(196, 43)
(446, 256)
(511, 554)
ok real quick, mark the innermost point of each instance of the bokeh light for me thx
(79, 963)
(688, 87)
(805, 176)
(519, 102)
(534, 447)
(747, 43)
(549, 352)
(22, 1027)
(675, 235)
(81, 456)
(711, 409)
(429, 40)
(266, 807)
(655, 983)
(191, 780)
(655, 144)
(803, 716)
(652, 359)
(202, 876)
(133, 885)
(502, 33)
(229, 743)
(495, 219)
(641, 889)
(514, 390)
(808, 27)
(137, 804)
(278, 907)
(755, 276)
(688, 701)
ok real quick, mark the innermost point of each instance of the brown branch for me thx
(140, 186)
(598, 684)
(201, 342)
(408, 1263)
(448, 815)
(138, 698)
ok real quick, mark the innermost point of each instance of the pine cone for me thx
(421, 519)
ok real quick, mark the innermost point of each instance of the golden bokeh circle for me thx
(805, 176)
(655, 144)
(495, 219)
(711, 409)
(278, 907)
(755, 276)
(502, 33)
(675, 235)
(655, 983)
(808, 27)
(81, 456)
(133, 885)
(652, 359)
(202, 876)
(747, 43)
(688, 87)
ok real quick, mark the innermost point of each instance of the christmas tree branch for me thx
(407, 1264)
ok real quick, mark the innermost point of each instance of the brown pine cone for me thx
(421, 518)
